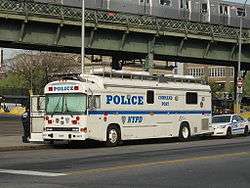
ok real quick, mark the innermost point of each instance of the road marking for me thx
(158, 163)
(123, 167)
(31, 173)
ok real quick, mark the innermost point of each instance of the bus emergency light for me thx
(76, 88)
(75, 121)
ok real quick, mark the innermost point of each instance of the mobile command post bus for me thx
(125, 107)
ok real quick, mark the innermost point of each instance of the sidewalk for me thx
(11, 131)
(14, 143)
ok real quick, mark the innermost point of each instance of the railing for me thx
(121, 19)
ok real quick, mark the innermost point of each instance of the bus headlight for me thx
(75, 129)
(49, 129)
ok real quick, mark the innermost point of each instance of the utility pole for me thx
(239, 76)
(1, 62)
(1, 58)
(83, 37)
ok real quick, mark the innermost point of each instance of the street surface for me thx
(168, 163)
(10, 125)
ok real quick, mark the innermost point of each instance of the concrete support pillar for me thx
(206, 72)
(149, 61)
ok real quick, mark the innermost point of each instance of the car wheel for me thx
(246, 131)
(184, 133)
(229, 133)
(113, 136)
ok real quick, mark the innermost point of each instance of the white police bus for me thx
(123, 106)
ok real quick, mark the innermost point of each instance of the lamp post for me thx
(83, 37)
(239, 76)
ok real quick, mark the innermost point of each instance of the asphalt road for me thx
(200, 163)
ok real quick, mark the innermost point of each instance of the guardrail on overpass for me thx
(41, 26)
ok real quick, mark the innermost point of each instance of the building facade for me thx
(217, 74)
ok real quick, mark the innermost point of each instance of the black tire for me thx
(246, 131)
(51, 142)
(229, 133)
(113, 136)
(184, 133)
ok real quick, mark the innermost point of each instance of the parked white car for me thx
(229, 125)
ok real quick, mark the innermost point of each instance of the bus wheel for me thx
(184, 134)
(246, 131)
(229, 133)
(113, 136)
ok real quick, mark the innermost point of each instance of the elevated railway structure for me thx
(30, 25)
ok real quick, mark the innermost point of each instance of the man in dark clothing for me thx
(26, 125)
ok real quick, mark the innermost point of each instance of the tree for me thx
(247, 85)
(216, 89)
(33, 70)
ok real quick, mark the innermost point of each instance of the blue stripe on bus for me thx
(117, 112)
(238, 129)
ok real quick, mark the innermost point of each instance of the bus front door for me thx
(37, 111)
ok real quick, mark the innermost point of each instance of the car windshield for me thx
(66, 104)
(221, 119)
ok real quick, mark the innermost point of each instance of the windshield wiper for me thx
(67, 109)
(54, 111)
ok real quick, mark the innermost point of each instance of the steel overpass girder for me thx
(143, 23)
(39, 26)
(48, 36)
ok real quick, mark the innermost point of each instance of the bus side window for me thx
(150, 97)
(94, 102)
(98, 101)
(191, 98)
(41, 104)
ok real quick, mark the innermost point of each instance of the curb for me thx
(24, 148)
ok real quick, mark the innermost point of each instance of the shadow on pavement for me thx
(96, 144)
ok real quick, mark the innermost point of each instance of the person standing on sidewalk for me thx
(26, 125)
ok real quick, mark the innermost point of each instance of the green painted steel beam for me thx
(57, 28)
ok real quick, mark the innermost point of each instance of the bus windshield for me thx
(71, 104)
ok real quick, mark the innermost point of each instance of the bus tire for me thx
(113, 136)
(184, 133)
(229, 133)
(246, 131)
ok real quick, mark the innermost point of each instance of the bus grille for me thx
(205, 124)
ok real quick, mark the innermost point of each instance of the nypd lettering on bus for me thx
(124, 100)
(132, 119)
